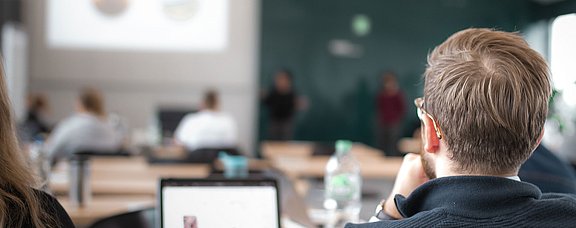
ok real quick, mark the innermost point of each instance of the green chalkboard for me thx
(297, 34)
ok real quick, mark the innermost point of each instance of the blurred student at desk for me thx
(208, 128)
(88, 129)
(35, 126)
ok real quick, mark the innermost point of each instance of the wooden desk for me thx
(315, 166)
(271, 149)
(105, 206)
(296, 161)
(128, 176)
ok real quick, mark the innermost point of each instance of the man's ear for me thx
(540, 137)
(430, 140)
(538, 141)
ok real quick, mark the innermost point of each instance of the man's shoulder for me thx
(220, 116)
(561, 200)
(73, 124)
(72, 119)
(192, 116)
(552, 209)
(206, 117)
(429, 218)
(81, 120)
(384, 223)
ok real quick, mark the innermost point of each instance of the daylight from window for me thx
(563, 57)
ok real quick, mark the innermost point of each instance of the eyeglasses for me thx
(419, 102)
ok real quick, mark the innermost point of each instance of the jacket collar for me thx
(469, 196)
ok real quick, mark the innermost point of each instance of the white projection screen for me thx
(205, 43)
(150, 25)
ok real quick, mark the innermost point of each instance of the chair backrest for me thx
(84, 155)
(102, 153)
(203, 156)
(144, 218)
(169, 119)
(326, 148)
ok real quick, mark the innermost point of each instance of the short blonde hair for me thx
(489, 92)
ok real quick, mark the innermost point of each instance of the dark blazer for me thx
(481, 201)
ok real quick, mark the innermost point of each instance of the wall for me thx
(14, 44)
(538, 33)
(553, 10)
(135, 83)
(10, 11)
(296, 34)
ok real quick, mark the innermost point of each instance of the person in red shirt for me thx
(391, 110)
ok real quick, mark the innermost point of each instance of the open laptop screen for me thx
(218, 203)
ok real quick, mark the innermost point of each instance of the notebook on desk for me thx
(194, 203)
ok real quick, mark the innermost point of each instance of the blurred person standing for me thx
(282, 103)
(20, 204)
(208, 128)
(391, 110)
(88, 129)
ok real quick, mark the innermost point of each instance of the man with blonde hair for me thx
(485, 102)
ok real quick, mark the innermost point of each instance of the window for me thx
(563, 56)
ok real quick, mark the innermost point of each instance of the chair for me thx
(169, 119)
(103, 153)
(144, 218)
(198, 156)
(208, 155)
(324, 148)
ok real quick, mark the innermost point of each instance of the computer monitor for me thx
(193, 203)
(169, 119)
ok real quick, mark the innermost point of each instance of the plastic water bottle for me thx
(343, 186)
(40, 162)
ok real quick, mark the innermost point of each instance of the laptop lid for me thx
(193, 203)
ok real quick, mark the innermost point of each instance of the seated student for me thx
(485, 103)
(20, 204)
(87, 130)
(547, 171)
(208, 128)
(35, 124)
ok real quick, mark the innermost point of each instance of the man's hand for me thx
(410, 176)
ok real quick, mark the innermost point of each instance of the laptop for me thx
(194, 203)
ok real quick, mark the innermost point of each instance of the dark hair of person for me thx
(92, 101)
(211, 99)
